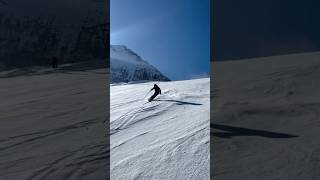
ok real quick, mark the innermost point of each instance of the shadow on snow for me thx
(231, 131)
(178, 102)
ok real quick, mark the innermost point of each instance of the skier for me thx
(54, 62)
(157, 91)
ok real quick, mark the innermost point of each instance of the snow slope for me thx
(266, 118)
(127, 66)
(165, 139)
(52, 125)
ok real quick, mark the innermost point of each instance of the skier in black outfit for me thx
(157, 91)
(54, 62)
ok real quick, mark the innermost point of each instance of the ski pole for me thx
(146, 94)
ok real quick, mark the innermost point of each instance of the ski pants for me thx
(153, 96)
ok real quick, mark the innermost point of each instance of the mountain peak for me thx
(126, 65)
(122, 53)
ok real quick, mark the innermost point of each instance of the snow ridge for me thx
(127, 66)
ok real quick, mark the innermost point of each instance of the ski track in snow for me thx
(51, 129)
(266, 118)
(164, 139)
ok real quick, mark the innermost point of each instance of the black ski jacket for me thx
(156, 89)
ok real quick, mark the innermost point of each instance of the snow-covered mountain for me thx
(168, 138)
(126, 65)
(33, 32)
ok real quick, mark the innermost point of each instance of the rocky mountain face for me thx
(127, 66)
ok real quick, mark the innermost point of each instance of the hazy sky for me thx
(253, 28)
(172, 35)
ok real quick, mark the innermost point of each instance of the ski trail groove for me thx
(167, 138)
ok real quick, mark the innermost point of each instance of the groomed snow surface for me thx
(168, 138)
(52, 124)
(266, 121)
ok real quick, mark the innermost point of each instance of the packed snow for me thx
(52, 125)
(265, 122)
(167, 138)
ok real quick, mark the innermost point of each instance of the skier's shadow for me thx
(178, 102)
(231, 131)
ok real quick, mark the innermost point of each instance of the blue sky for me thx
(172, 35)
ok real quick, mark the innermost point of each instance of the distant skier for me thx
(157, 91)
(54, 62)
